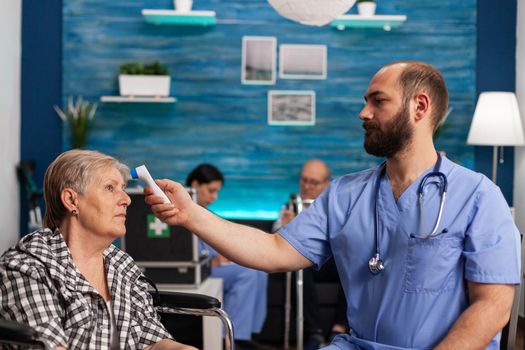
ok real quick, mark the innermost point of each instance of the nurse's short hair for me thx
(73, 169)
(420, 76)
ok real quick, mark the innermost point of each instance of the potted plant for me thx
(79, 116)
(137, 79)
(366, 7)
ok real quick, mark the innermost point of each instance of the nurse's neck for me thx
(406, 166)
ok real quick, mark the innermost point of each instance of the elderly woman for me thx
(68, 281)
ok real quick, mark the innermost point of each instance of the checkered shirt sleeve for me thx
(26, 297)
(152, 329)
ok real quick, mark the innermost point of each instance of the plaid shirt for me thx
(40, 286)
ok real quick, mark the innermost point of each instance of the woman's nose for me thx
(126, 199)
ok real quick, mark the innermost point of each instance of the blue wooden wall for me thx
(219, 120)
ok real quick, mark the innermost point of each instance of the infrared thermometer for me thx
(142, 173)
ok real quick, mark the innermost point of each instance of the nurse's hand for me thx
(175, 213)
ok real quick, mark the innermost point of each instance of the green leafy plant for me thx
(153, 68)
(79, 116)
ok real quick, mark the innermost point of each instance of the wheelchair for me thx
(166, 303)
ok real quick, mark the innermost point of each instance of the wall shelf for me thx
(387, 22)
(172, 17)
(138, 99)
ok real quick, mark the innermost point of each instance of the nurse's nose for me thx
(366, 113)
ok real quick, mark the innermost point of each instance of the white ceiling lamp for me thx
(312, 12)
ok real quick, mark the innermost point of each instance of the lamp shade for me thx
(312, 12)
(496, 121)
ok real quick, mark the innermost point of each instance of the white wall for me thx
(10, 58)
(519, 158)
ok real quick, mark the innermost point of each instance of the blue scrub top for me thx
(206, 249)
(422, 291)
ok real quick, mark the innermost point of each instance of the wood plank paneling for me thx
(219, 120)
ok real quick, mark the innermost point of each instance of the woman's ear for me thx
(69, 199)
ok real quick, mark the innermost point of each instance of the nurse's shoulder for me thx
(353, 185)
(469, 183)
(458, 175)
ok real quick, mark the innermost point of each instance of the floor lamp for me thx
(496, 123)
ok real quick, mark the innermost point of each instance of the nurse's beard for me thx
(396, 137)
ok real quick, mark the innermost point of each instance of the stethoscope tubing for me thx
(376, 264)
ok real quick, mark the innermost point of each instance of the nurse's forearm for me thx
(487, 314)
(246, 245)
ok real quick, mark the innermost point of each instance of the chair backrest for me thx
(508, 333)
(16, 333)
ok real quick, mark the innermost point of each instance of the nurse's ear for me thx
(422, 106)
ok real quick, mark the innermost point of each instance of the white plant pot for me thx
(144, 85)
(183, 5)
(367, 8)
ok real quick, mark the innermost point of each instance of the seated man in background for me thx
(315, 177)
(68, 281)
(244, 289)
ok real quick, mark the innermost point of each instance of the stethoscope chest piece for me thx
(376, 264)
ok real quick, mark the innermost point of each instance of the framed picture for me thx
(302, 61)
(291, 107)
(258, 60)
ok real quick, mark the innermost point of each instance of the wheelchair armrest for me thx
(185, 300)
(17, 333)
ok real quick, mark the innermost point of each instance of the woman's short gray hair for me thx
(73, 169)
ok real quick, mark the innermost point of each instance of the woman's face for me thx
(207, 193)
(102, 207)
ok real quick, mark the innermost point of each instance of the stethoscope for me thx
(376, 264)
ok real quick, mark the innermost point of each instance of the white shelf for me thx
(172, 17)
(138, 99)
(387, 22)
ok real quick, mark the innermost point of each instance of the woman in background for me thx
(67, 280)
(244, 289)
